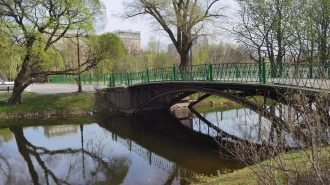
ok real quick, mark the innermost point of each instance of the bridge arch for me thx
(186, 91)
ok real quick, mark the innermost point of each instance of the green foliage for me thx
(5, 135)
(111, 44)
(108, 49)
(37, 26)
(46, 60)
(10, 56)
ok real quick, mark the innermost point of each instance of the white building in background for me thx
(131, 40)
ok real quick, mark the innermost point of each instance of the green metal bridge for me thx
(313, 76)
(134, 92)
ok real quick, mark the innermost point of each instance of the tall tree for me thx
(182, 20)
(107, 48)
(313, 30)
(37, 26)
(265, 28)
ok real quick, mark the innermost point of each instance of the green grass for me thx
(36, 103)
(293, 161)
(243, 176)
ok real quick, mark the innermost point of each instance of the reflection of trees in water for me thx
(5, 135)
(5, 170)
(89, 165)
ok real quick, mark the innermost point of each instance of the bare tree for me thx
(281, 30)
(294, 142)
(227, 53)
(182, 20)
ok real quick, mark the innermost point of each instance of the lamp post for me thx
(78, 50)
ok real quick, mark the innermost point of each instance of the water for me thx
(149, 149)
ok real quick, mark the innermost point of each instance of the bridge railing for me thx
(303, 75)
(243, 72)
(306, 75)
(86, 79)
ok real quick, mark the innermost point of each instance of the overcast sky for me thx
(115, 7)
(114, 23)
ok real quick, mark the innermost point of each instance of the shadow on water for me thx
(166, 143)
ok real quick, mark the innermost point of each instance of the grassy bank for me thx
(293, 167)
(244, 176)
(216, 103)
(36, 104)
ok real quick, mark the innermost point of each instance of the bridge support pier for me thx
(120, 97)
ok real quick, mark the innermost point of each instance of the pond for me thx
(155, 148)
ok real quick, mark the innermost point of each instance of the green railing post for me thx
(174, 73)
(113, 82)
(128, 79)
(148, 75)
(131, 78)
(210, 72)
(110, 80)
(237, 71)
(260, 71)
(280, 70)
(263, 71)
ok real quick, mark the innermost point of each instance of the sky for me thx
(114, 23)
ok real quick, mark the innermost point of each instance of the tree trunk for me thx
(184, 56)
(17, 92)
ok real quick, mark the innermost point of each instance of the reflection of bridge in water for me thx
(199, 124)
(149, 156)
(168, 145)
